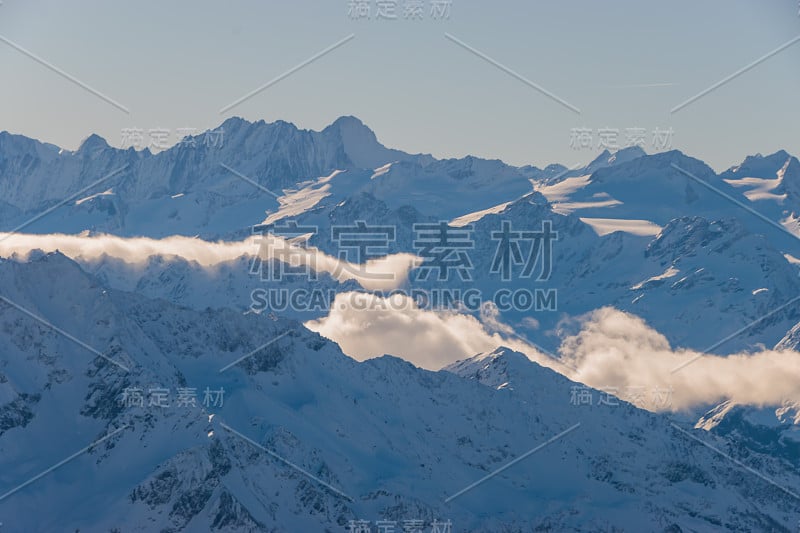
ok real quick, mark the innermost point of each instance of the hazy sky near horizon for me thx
(624, 64)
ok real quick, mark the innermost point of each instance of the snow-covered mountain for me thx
(771, 430)
(772, 184)
(196, 187)
(701, 257)
(379, 440)
(261, 171)
(183, 190)
(634, 230)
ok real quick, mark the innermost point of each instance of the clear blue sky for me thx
(623, 63)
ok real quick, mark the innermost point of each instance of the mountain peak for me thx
(348, 121)
(780, 154)
(628, 153)
(600, 161)
(495, 369)
(360, 143)
(623, 155)
(93, 143)
(352, 130)
(759, 164)
(779, 157)
(233, 124)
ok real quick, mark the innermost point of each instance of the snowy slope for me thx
(395, 440)
(772, 184)
(256, 171)
(697, 281)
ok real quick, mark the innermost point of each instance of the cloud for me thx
(618, 350)
(367, 326)
(490, 318)
(613, 351)
(379, 274)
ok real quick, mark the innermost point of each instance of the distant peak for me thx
(360, 143)
(233, 124)
(600, 160)
(678, 158)
(281, 124)
(92, 143)
(351, 128)
(348, 121)
(235, 120)
(780, 156)
(607, 158)
(631, 152)
(761, 165)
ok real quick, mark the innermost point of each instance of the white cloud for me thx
(367, 326)
(613, 350)
(379, 274)
(619, 350)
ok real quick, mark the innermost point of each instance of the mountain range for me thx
(98, 299)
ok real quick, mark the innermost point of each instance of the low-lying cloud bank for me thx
(367, 326)
(613, 351)
(618, 349)
(381, 274)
